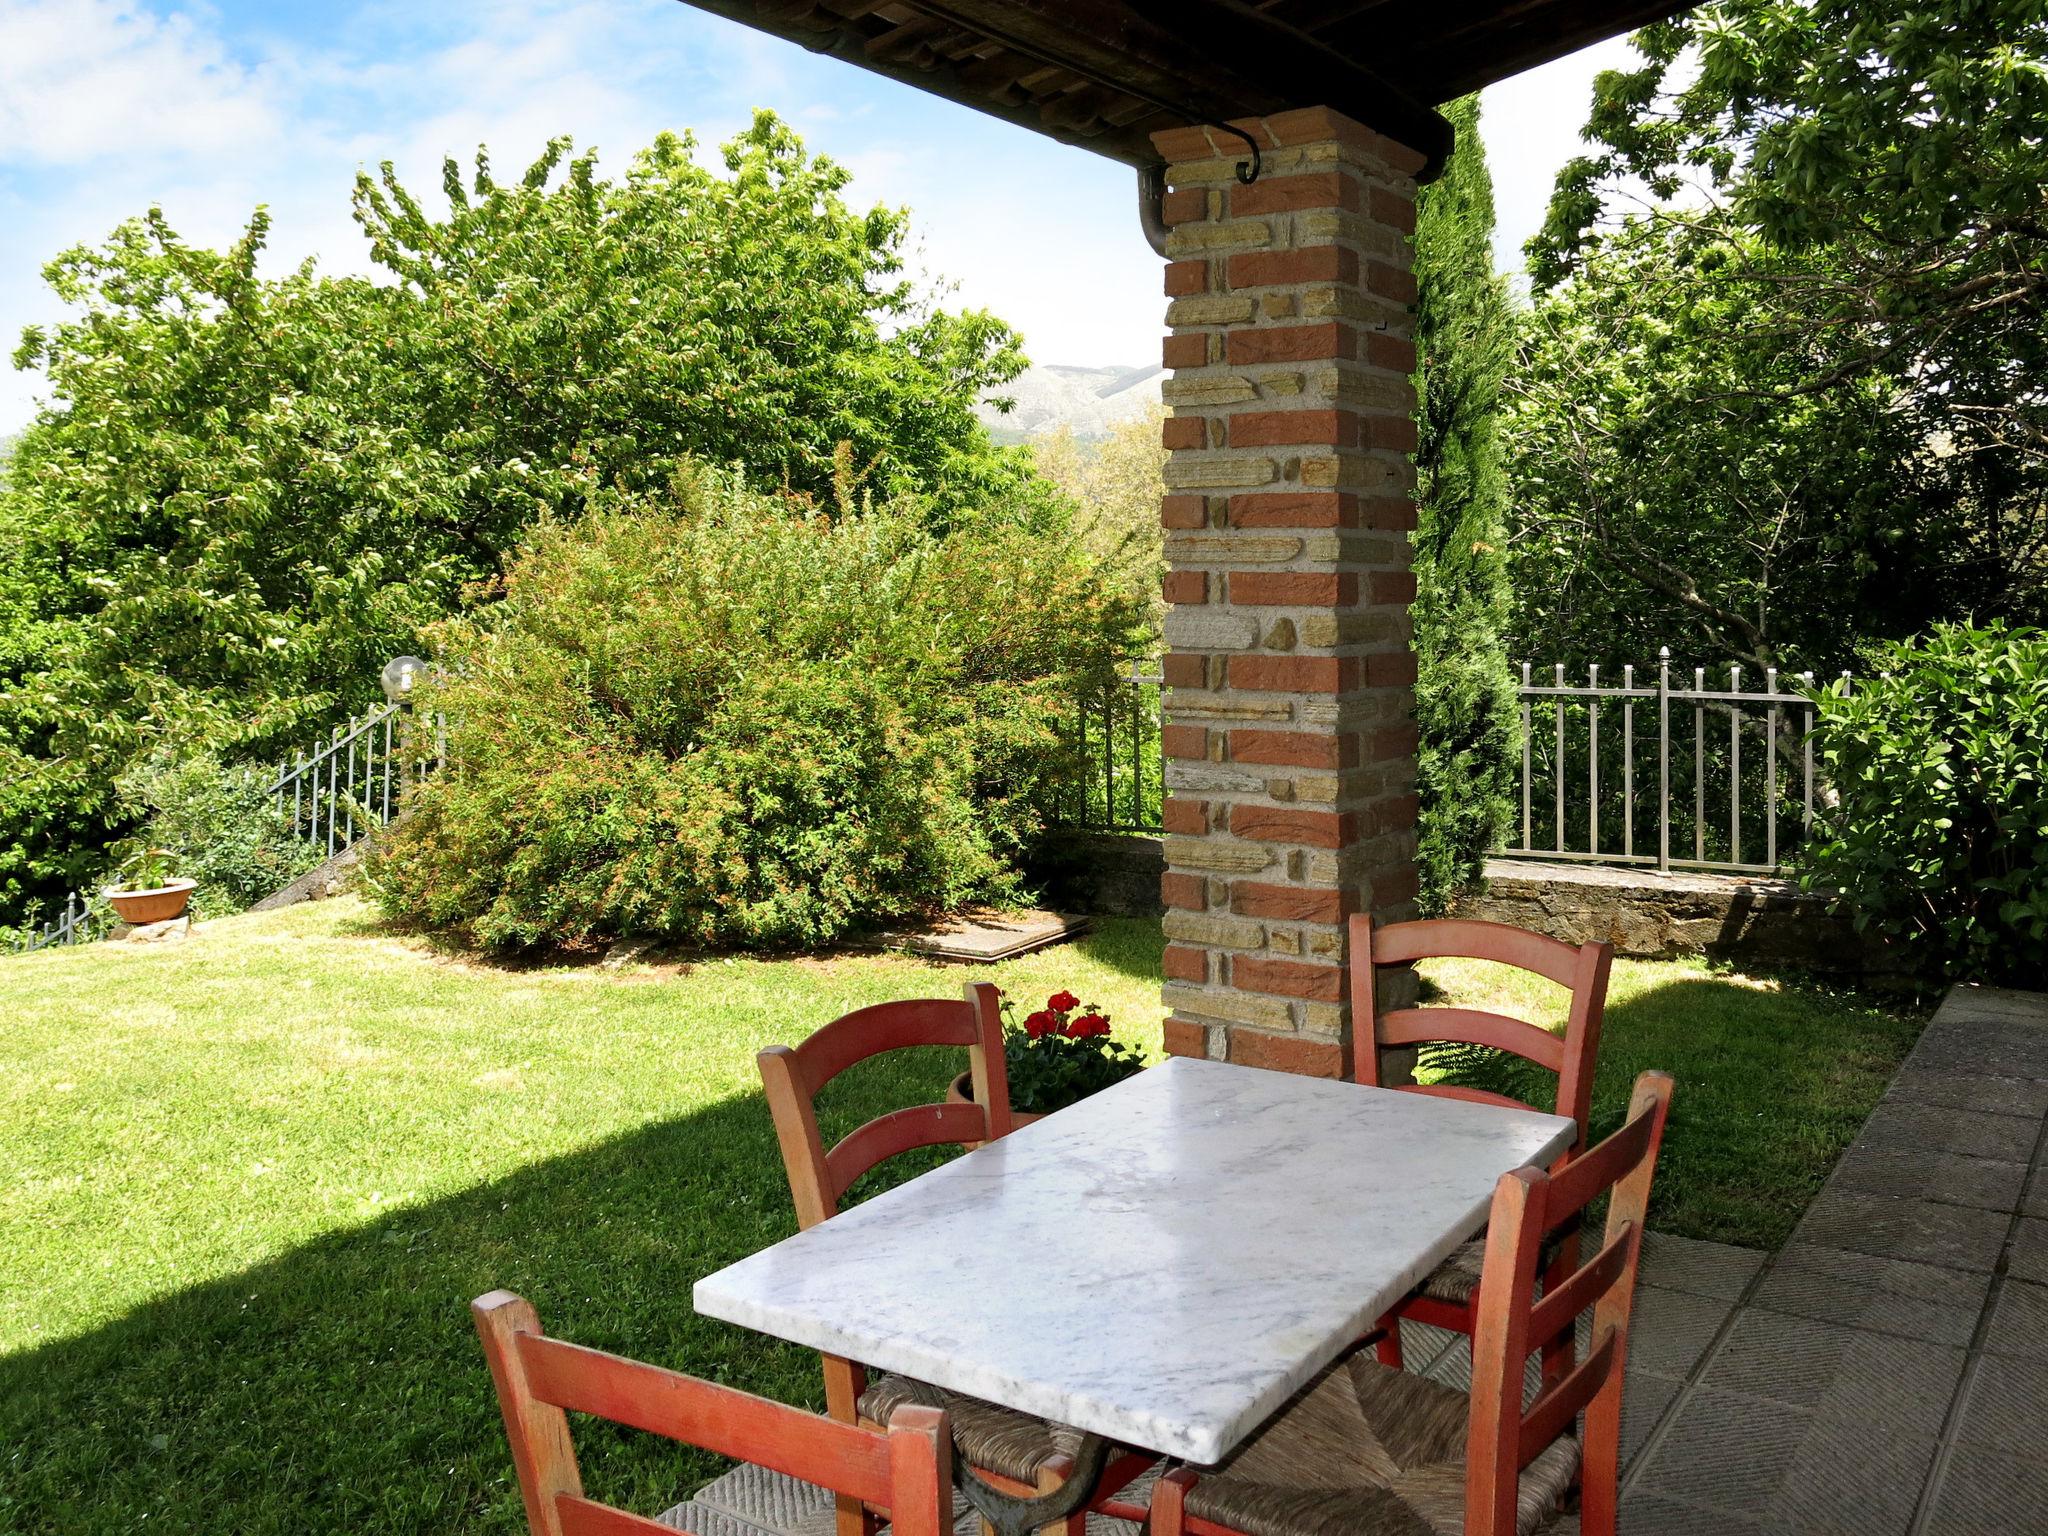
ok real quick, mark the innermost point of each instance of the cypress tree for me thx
(1465, 699)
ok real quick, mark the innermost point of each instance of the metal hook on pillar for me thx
(1247, 170)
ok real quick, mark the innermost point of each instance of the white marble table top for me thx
(1163, 1263)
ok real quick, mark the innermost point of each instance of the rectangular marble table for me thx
(1163, 1263)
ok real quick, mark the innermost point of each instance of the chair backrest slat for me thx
(1581, 967)
(900, 1131)
(1552, 1413)
(1452, 938)
(540, 1381)
(1469, 1095)
(720, 1419)
(792, 1075)
(1574, 1188)
(1473, 1026)
(854, 1037)
(1560, 1306)
(1528, 1203)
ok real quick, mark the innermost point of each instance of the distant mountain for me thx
(1089, 400)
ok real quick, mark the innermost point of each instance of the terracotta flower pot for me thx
(159, 905)
(961, 1091)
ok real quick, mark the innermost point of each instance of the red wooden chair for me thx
(906, 1469)
(1012, 1450)
(1368, 1451)
(1449, 1297)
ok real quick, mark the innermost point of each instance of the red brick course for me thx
(1294, 589)
(1290, 903)
(1287, 978)
(1292, 824)
(1295, 749)
(1288, 1053)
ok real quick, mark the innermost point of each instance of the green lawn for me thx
(254, 1180)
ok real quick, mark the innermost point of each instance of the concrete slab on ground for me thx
(982, 936)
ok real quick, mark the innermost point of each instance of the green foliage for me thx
(252, 491)
(1676, 484)
(225, 831)
(1799, 395)
(1465, 701)
(1940, 837)
(724, 719)
(1061, 1053)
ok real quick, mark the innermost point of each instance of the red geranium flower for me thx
(1039, 1023)
(1060, 1002)
(1086, 1025)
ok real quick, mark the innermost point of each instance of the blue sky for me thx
(108, 106)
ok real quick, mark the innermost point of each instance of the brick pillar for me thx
(1290, 734)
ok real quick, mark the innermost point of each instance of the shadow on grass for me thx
(1774, 1080)
(340, 1388)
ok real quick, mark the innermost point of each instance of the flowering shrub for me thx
(1062, 1053)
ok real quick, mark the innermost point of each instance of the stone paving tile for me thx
(1670, 1330)
(1982, 1492)
(1920, 1301)
(1997, 1002)
(2019, 1321)
(1645, 1399)
(1997, 1049)
(1647, 1514)
(1838, 1374)
(2006, 1407)
(1971, 1090)
(1699, 1268)
(1937, 1128)
(1921, 1231)
(1781, 1468)
(2027, 1258)
(1921, 1174)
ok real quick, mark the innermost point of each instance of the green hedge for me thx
(1940, 836)
(722, 718)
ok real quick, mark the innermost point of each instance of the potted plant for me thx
(145, 891)
(1056, 1057)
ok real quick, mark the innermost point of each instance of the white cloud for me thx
(85, 79)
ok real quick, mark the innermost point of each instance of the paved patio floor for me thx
(1886, 1374)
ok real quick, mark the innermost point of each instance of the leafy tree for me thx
(1465, 699)
(249, 492)
(1115, 485)
(1844, 250)
(1676, 485)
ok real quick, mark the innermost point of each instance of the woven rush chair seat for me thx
(990, 1437)
(1456, 1280)
(1364, 1450)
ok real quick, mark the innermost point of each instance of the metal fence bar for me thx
(1771, 767)
(1754, 792)
(1593, 759)
(1557, 762)
(1525, 754)
(1628, 761)
(1663, 758)
(1734, 769)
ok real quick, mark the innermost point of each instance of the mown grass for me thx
(1774, 1078)
(252, 1183)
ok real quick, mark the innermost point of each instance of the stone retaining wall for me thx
(1747, 919)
